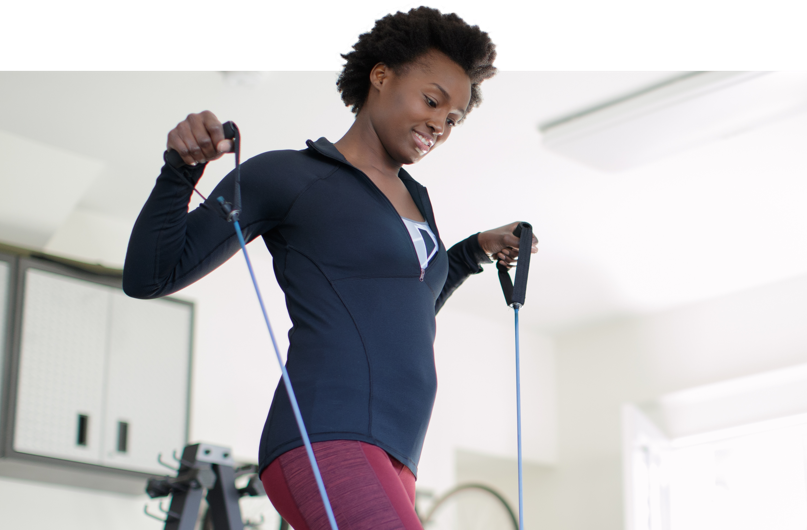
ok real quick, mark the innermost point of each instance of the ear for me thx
(379, 75)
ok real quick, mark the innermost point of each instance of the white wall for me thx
(475, 410)
(641, 359)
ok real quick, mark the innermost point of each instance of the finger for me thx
(508, 255)
(200, 132)
(503, 257)
(193, 151)
(176, 143)
(216, 131)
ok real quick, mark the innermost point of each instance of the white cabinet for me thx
(60, 391)
(4, 300)
(148, 371)
(102, 378)
(5, 270)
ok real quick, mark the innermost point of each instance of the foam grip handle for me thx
(173, 158)
(517, 294)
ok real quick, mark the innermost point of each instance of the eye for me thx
(451, 123)
(430, 102)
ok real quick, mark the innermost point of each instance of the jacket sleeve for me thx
(464, 258)
(171, 248)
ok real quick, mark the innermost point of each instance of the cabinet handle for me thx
(83, 426)
(123, 436)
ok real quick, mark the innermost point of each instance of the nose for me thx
(436, 126)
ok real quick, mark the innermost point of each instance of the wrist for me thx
(480, 253)
(483, 238)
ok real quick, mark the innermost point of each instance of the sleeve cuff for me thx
(189, 174)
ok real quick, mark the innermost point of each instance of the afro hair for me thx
(400, 39)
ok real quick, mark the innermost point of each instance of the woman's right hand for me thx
(199, 138)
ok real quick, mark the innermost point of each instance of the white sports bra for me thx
(424, 240)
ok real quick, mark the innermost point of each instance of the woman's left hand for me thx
(501, 245)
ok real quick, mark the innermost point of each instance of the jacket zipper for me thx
(398, 216)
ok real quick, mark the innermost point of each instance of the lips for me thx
(422, 143)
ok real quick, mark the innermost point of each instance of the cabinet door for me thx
(62, 367)
(4, 301)
(147, 384)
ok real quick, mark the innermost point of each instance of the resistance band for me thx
(515, 296)
(233, 213)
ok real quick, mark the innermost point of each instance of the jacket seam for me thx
(358, 332)
(304, 190)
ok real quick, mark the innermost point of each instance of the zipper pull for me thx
(422, 274)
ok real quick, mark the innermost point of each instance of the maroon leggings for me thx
(368, 489)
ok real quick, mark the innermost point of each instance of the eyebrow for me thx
(443, 90)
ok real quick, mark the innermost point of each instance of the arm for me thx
(465, 257)
(170, 248)
(167, 243)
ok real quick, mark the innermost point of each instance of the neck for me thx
(361, 147)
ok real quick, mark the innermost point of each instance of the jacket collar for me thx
(326, 148)
(416, 190)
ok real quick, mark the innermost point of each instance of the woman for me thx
(357, 252)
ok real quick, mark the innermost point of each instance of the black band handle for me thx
(175, 160)
(517, 294)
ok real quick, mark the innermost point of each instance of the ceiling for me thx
(79, 153)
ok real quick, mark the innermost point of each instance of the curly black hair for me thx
(399, 40)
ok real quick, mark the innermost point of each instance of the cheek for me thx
(398, 106)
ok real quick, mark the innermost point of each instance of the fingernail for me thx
(193, 164)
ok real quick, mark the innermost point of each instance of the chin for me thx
(408, 158)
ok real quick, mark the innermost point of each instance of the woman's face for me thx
(414, 109)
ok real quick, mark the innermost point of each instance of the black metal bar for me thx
(223, 500)
(204, 468)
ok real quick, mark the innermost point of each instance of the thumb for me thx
(225, 146)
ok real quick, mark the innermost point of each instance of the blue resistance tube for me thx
(518, 421)
(515, 295)
(233, 212)
(289, 389)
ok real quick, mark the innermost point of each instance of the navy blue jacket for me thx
(361, 356)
